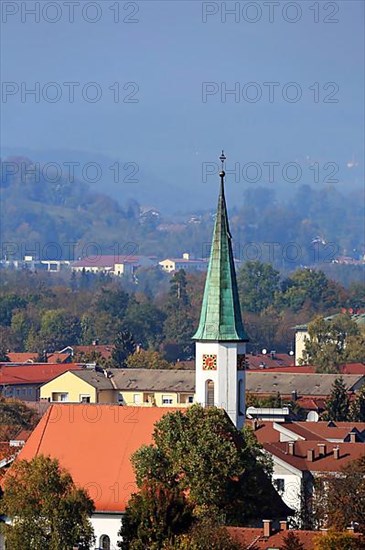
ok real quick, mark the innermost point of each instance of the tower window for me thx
(209, 391)
(241, 398)
(104, 542)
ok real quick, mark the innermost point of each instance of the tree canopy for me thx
(223, 471)
(333, 342)
(47, 510)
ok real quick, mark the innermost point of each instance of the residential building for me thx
(293, 385)
(186, 263)
(302, 334)
(24, 382)
(117, 265)
(132, 387)
(304, 451)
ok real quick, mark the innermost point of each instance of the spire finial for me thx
(222, 158)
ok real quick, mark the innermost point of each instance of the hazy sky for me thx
(166, 56)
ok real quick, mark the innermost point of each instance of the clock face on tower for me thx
(209, 362)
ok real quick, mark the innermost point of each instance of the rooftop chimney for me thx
(310, 455)
(283, 525)
(336, 452)
(267, 527)
(322, 449)
(353, 437)
(291, 448)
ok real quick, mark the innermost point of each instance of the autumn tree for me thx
(344, 497)
(357, 409)
(147, 359)
(47, 510)
(206, 535)
(333, 342)
(338, 541)
(14, 412)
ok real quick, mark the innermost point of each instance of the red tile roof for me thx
(326, 463)
(95, 443)
(247, 536)
(324, 430)
(269, 432)
(280, 361)
(28, 357)
(33, 373)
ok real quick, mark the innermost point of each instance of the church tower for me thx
(221, 338)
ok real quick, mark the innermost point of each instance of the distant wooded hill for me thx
(315, 226)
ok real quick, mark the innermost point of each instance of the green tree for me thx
(154, 516)
(179, 325)
(58, 329)
(333, 342)
(145, 321)
(305, 286)
(257, 284)
(292, 542)
(147, 359)
(111, 301)
(201, 452)
(124, 346)
(338, 404)
(48, 511)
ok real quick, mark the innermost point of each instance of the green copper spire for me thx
(220, 318)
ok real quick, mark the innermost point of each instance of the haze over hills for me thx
(193, 186)
(308, 226)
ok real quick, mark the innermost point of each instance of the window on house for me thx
(279, 484)
(63, 396)
(191, 399)
(84, 398)
(167, 400)
(137, 399)
(104, 542)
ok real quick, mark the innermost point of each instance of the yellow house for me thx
(85, 386)
(142, 387)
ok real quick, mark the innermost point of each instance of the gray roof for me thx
(95, 379)
(154, 380)
(304, 384)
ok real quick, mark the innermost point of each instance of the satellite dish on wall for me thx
(312, 416)
(264, 351)
(291, 352)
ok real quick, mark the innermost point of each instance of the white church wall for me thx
(107, 524)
